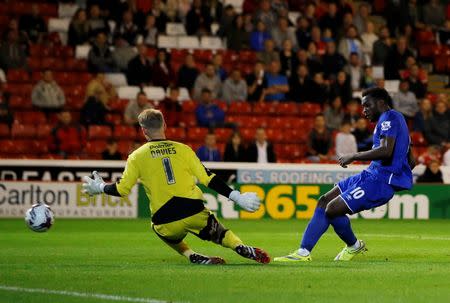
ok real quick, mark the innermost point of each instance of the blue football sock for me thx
(343, 229)
(316, 227)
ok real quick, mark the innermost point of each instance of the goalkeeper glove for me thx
(248, 201)
(93, 186)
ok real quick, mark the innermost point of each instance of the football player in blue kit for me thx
(389, 172)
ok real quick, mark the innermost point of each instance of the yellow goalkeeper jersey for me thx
(168, 171)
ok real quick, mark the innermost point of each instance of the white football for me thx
(39, 217)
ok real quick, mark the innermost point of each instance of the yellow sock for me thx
(231, 240)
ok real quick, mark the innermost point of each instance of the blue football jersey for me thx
(394, 171)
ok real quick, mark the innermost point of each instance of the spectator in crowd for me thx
(319, 89)
(434, 14)
(256, 82)
(225, 20)
(171, 108)
(111, 152)
(405, 101)
(279, 7)
(258, 37)
(67, 137)
(444, 33)
(94, 110)
(160, 15)
(139, 70)
(425, 112)
(432, 173)
(352, 112)
(99, 83)
(416, 85)
(217, 61)
(277, 84)
(209, 80)
(265, 14)
(97, 24)
(317, 40)
(237, 37)
(319, 140)
(313, 63)
(100, 57)
(331, 20)
(4, 94)
(209, 151)
(288, 59)
(33, 24)
(363, 135)
(234, 88)
(6, 116)
(126, 29)
(2, 78)
(12, 52)
(123, 53)
(342, 87)
(135, 107)
(78, 29)
(351, 43)
(396, 59)
(282, 32)
(303, 33)
(300, 85)
(149, 33)
(234, 149)
(198, 19)
(381, 47)
(162, 74)
(362, 17)
(333, 62)
(437, 127)
(446, 156)
(47, 95)
(310, 13)
(209, 114)
(368, 38)
(367, 80)
(355, 70)
(345, 140)
(269, 54)
(433, 152)
(334, 114)
(188, 72)
(261, 150)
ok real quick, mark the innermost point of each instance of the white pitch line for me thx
(80, 294)
(402, 236)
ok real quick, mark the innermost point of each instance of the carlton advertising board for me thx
(66, 199)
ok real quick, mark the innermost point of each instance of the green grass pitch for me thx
(407, 261)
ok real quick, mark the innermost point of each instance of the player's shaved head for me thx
(151, 120)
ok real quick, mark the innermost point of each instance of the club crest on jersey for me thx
(385, 125)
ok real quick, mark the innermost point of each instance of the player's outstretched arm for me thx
(97, 186)
(384, 151)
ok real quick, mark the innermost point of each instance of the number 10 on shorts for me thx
(357, 193)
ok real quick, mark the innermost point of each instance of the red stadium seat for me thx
(23, 131)
(44, 131)
(223, 134)
(99, 132)
(119, 105)
(309, 109)
(190, 120)
(178, 55)
(222, 105)
(124, 147)
(248, 134)
(247, 56)
(280, 123)
(287, 108)
(266, 108)
(196, 134)
(263, 121)
(239, 108)
(18, 76)
(20, 103)
(189, 106)
(4, 131)
(77, 91)
(274, 135)
(39, 147)
(65, 78)
(74, 103)
(14, 146)
(55, 64)
(20, 89)
(83, 78)
(176, 133)
(115, 119)
(203, 55)
(125, 132)
(95, 147)
(418, 139)
(31, 117)
(296, 135)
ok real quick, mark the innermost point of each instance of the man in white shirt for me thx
(261, 151)
(47, 95)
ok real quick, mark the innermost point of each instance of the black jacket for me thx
(252, 153)
(231, 155)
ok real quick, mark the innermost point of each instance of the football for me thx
(39, 217)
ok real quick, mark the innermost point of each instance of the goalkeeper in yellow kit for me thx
(167, 170)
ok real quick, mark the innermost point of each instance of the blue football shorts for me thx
(364, 191)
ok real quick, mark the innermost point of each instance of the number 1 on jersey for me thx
(168, 170)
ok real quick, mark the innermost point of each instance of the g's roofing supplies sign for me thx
(66, 200)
